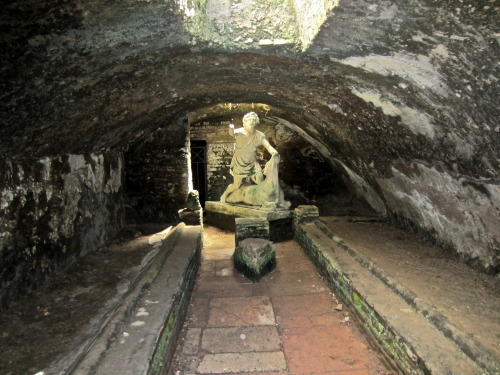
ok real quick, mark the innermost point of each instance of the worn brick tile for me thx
(229, 286)
(191, 343)
(323, 349)
(294, 321)
(321, 341)
(224, 267)
(224, 363)
(197, 313)
(241, 311)
(304, 305)
(218, 253)
(316, 365)
(295, 264)
(241, 339)
(207, 269)
(334, 318)
(295, 283)
(289, 249)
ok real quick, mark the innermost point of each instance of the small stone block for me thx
(251, 228)
(306, 214)
(255, 257)
(193, 201)
(191, 217)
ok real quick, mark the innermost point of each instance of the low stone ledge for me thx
(474, 350)
(409, 341)
(139, 336)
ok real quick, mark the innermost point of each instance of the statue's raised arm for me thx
(268, 147)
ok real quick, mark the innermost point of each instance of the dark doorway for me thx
(199, 168)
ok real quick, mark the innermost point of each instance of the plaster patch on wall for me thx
(389, 13)
(114, 183)
(417, 69)
(459, 211)
(364, 191)
(418, 122)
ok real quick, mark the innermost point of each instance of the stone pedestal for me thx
(255, 257)
(223, 215)
(251, 227)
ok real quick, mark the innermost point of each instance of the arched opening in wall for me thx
(305, 176)
(199, 168)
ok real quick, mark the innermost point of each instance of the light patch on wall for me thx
(417, 69)
(418, 122)
(364, 191)
(186, 7)
(256, 23)
(460, 211)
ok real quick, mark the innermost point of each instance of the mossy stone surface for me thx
(255, 257)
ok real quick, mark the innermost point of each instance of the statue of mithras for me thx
(249, 185)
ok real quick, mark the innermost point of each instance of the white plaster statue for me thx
(245, 168)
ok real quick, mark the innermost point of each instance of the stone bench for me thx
(139, 334)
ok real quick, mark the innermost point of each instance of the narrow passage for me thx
(287, 323)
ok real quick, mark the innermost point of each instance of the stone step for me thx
(138, 335)
(409, 340)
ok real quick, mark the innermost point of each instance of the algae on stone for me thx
(255, 257)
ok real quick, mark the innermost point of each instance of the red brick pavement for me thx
(287, 323)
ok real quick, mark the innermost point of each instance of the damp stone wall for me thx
(157, 175)
(52, 211)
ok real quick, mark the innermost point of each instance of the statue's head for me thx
(250, 121)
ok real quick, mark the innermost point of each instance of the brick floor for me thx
(284, 324)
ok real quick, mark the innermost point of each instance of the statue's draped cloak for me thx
(244, 162)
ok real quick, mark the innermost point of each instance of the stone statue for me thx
(245, 168)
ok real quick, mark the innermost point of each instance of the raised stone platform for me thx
(222, 215)
(408, 296)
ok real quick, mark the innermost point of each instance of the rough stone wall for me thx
(310, 16)
(157, 176)
(53, 210)
(243, 23)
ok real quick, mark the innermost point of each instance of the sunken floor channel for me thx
(289, 322)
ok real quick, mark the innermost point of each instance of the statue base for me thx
(222, 215)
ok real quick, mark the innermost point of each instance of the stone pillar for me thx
(306, 214)
(251, 227)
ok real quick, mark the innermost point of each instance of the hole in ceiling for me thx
(256, 23)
